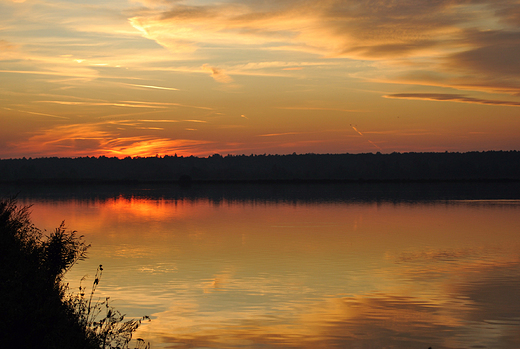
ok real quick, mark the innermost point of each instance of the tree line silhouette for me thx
(448, 166)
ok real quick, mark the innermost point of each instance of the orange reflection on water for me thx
(143, 209)
(96, 216)
(220, 274)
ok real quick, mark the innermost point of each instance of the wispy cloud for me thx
(83, 73)
(452, 98)
(283, 65)
(374, 29)
(200, 121)
(412, 132)
(155, 87)
(429, 36)
(111, 104)
(37, 113)
(7, 46)
(97, 139)
(279, 134)
(159, 121)
(217, 74)
(169, 104)
(322, 109)
(129, 104)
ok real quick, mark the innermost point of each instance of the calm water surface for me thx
(303, 274)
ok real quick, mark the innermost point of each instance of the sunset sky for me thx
(197, 77)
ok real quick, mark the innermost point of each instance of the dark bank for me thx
(490, 166)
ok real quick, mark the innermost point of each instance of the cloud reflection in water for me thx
(307, 275)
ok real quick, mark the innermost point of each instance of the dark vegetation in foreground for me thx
(395, 167)
(38, 309)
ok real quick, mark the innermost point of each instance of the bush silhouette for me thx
(38, 311)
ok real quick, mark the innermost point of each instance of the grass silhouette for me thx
(37, 308)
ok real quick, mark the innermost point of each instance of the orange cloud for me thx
(99, 139)
(148, 146)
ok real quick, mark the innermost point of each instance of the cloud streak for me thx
(105, 104)
(321, 109)
(128, 104)
(155, 87)
(443, 97)
(280, 134)
(36, 113)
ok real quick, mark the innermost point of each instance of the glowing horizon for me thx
(198, 77)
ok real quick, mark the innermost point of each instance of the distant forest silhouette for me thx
(470, 166)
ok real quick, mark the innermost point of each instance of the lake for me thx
(396, 266)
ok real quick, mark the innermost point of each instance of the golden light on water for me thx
(235, 273)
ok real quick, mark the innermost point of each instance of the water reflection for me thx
(303, 273)
(287, 193)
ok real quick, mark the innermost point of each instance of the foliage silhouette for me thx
(105, 324)
(470, 166)
(38, 311)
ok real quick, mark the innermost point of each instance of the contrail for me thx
(375, 145)
(355, 129)
(369, 141)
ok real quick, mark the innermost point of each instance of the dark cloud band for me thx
(452, 98)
